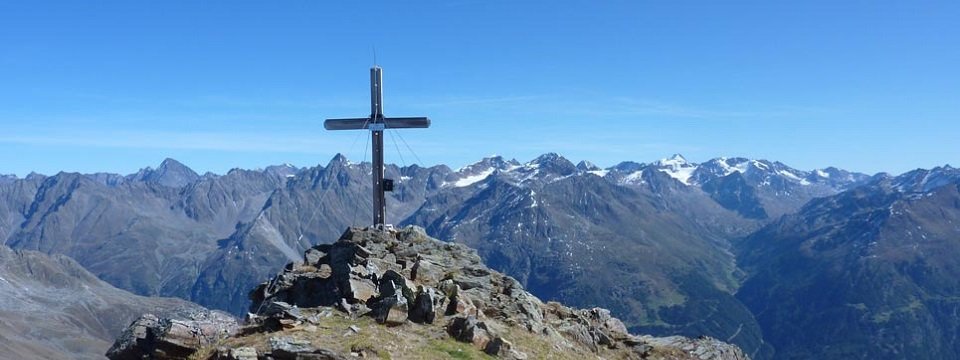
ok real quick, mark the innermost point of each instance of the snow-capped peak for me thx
(677, 167)
(547, 158)
(732, 165)
(675, 160)
(587, 166)
(495, 161)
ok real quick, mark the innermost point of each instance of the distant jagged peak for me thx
(740, 164)
(547, 168)
(843, 179)
(543, 169)
(674, 160)
(171, 173)
(282, 170)
(478, 171)
(338, 159)
(585, 165)
(548, 158)
(552, 163)
(171, 164)
(35, 176)
(490, 162)
(629, 166)
(337, 163)
(924, 180)
(283, 166)
(721, 167)
(757, 171)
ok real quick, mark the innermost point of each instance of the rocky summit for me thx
(388, 293)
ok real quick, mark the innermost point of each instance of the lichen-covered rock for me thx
(152, 337)
(701, 348)
(242, 353)
(469, 330)
(288, 348)
(426, 272)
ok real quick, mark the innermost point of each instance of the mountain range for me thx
(734, 248)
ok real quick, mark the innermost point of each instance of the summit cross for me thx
(377, 123)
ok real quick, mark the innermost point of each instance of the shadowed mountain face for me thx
(141, 236)
(650, 241)
(870, 273)
(15, 198)
(52, 308)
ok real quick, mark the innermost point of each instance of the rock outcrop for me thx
(152, 337)
(402, 294)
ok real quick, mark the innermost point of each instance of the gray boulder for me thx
(469, 330)
(152, 337)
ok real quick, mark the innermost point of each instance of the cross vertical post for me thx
(377, 123)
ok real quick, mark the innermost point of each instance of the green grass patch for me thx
(450, 349)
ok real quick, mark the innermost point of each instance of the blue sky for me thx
(119, 85)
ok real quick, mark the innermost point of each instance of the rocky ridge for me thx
(401, 294)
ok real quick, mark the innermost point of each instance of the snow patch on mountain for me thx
(470, 180)
(600, 173)
(634, 178)
(793, 177)
(740, 167)
(682, 174)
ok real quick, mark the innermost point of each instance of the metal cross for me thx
(376, 123)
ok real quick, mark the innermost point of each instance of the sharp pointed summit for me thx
(675, 159)
(338, 159)
(587, 166)
(171, 173)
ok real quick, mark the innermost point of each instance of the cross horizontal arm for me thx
(406, 122)
(346, 124)
(364, 123)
